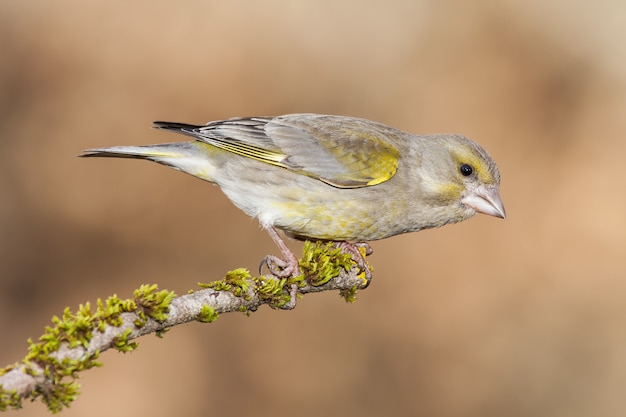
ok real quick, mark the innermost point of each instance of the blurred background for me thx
(522, 317)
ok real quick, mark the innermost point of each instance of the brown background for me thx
(523, 317)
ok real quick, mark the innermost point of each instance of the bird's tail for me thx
(190, 157)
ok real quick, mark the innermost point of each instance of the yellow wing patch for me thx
(364, 166)
(368, 159)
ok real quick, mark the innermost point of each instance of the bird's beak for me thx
(486, 200)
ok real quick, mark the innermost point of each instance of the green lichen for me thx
(207, 314)
(121, 343)
(59, 395)
(273, 291)
(153, 303)
(237, 282)
(9, 399)
(268, 287)
(321, 262)
(349, 294)
(76, 330)
(161, 333)
(72, 330)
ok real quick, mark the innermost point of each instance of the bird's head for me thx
(462, 175)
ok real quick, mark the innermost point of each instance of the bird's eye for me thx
(466, 170)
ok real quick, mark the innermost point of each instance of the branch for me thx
(75, 341)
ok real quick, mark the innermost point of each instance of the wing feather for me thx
(343, 152)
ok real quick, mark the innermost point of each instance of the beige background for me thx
(523, 317)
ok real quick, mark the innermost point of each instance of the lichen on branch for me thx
(75, 340)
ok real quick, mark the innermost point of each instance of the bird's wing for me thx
(343, 152)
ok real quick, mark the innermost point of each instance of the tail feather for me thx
(190, 157)
(139, 152)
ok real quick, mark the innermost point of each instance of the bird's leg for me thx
(285, 267)
(288, 265)
(353, 250)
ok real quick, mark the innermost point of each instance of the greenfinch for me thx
(333, 178)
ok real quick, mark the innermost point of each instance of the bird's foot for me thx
(285, 267)
(358, 251)
(282, 268)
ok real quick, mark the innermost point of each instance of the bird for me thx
(332, 178)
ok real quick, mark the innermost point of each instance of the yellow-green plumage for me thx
(333, 177)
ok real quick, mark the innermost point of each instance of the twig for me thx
(75, 341)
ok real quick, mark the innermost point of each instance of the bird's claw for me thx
(288, 267)
(354, 250)
(279, 267)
